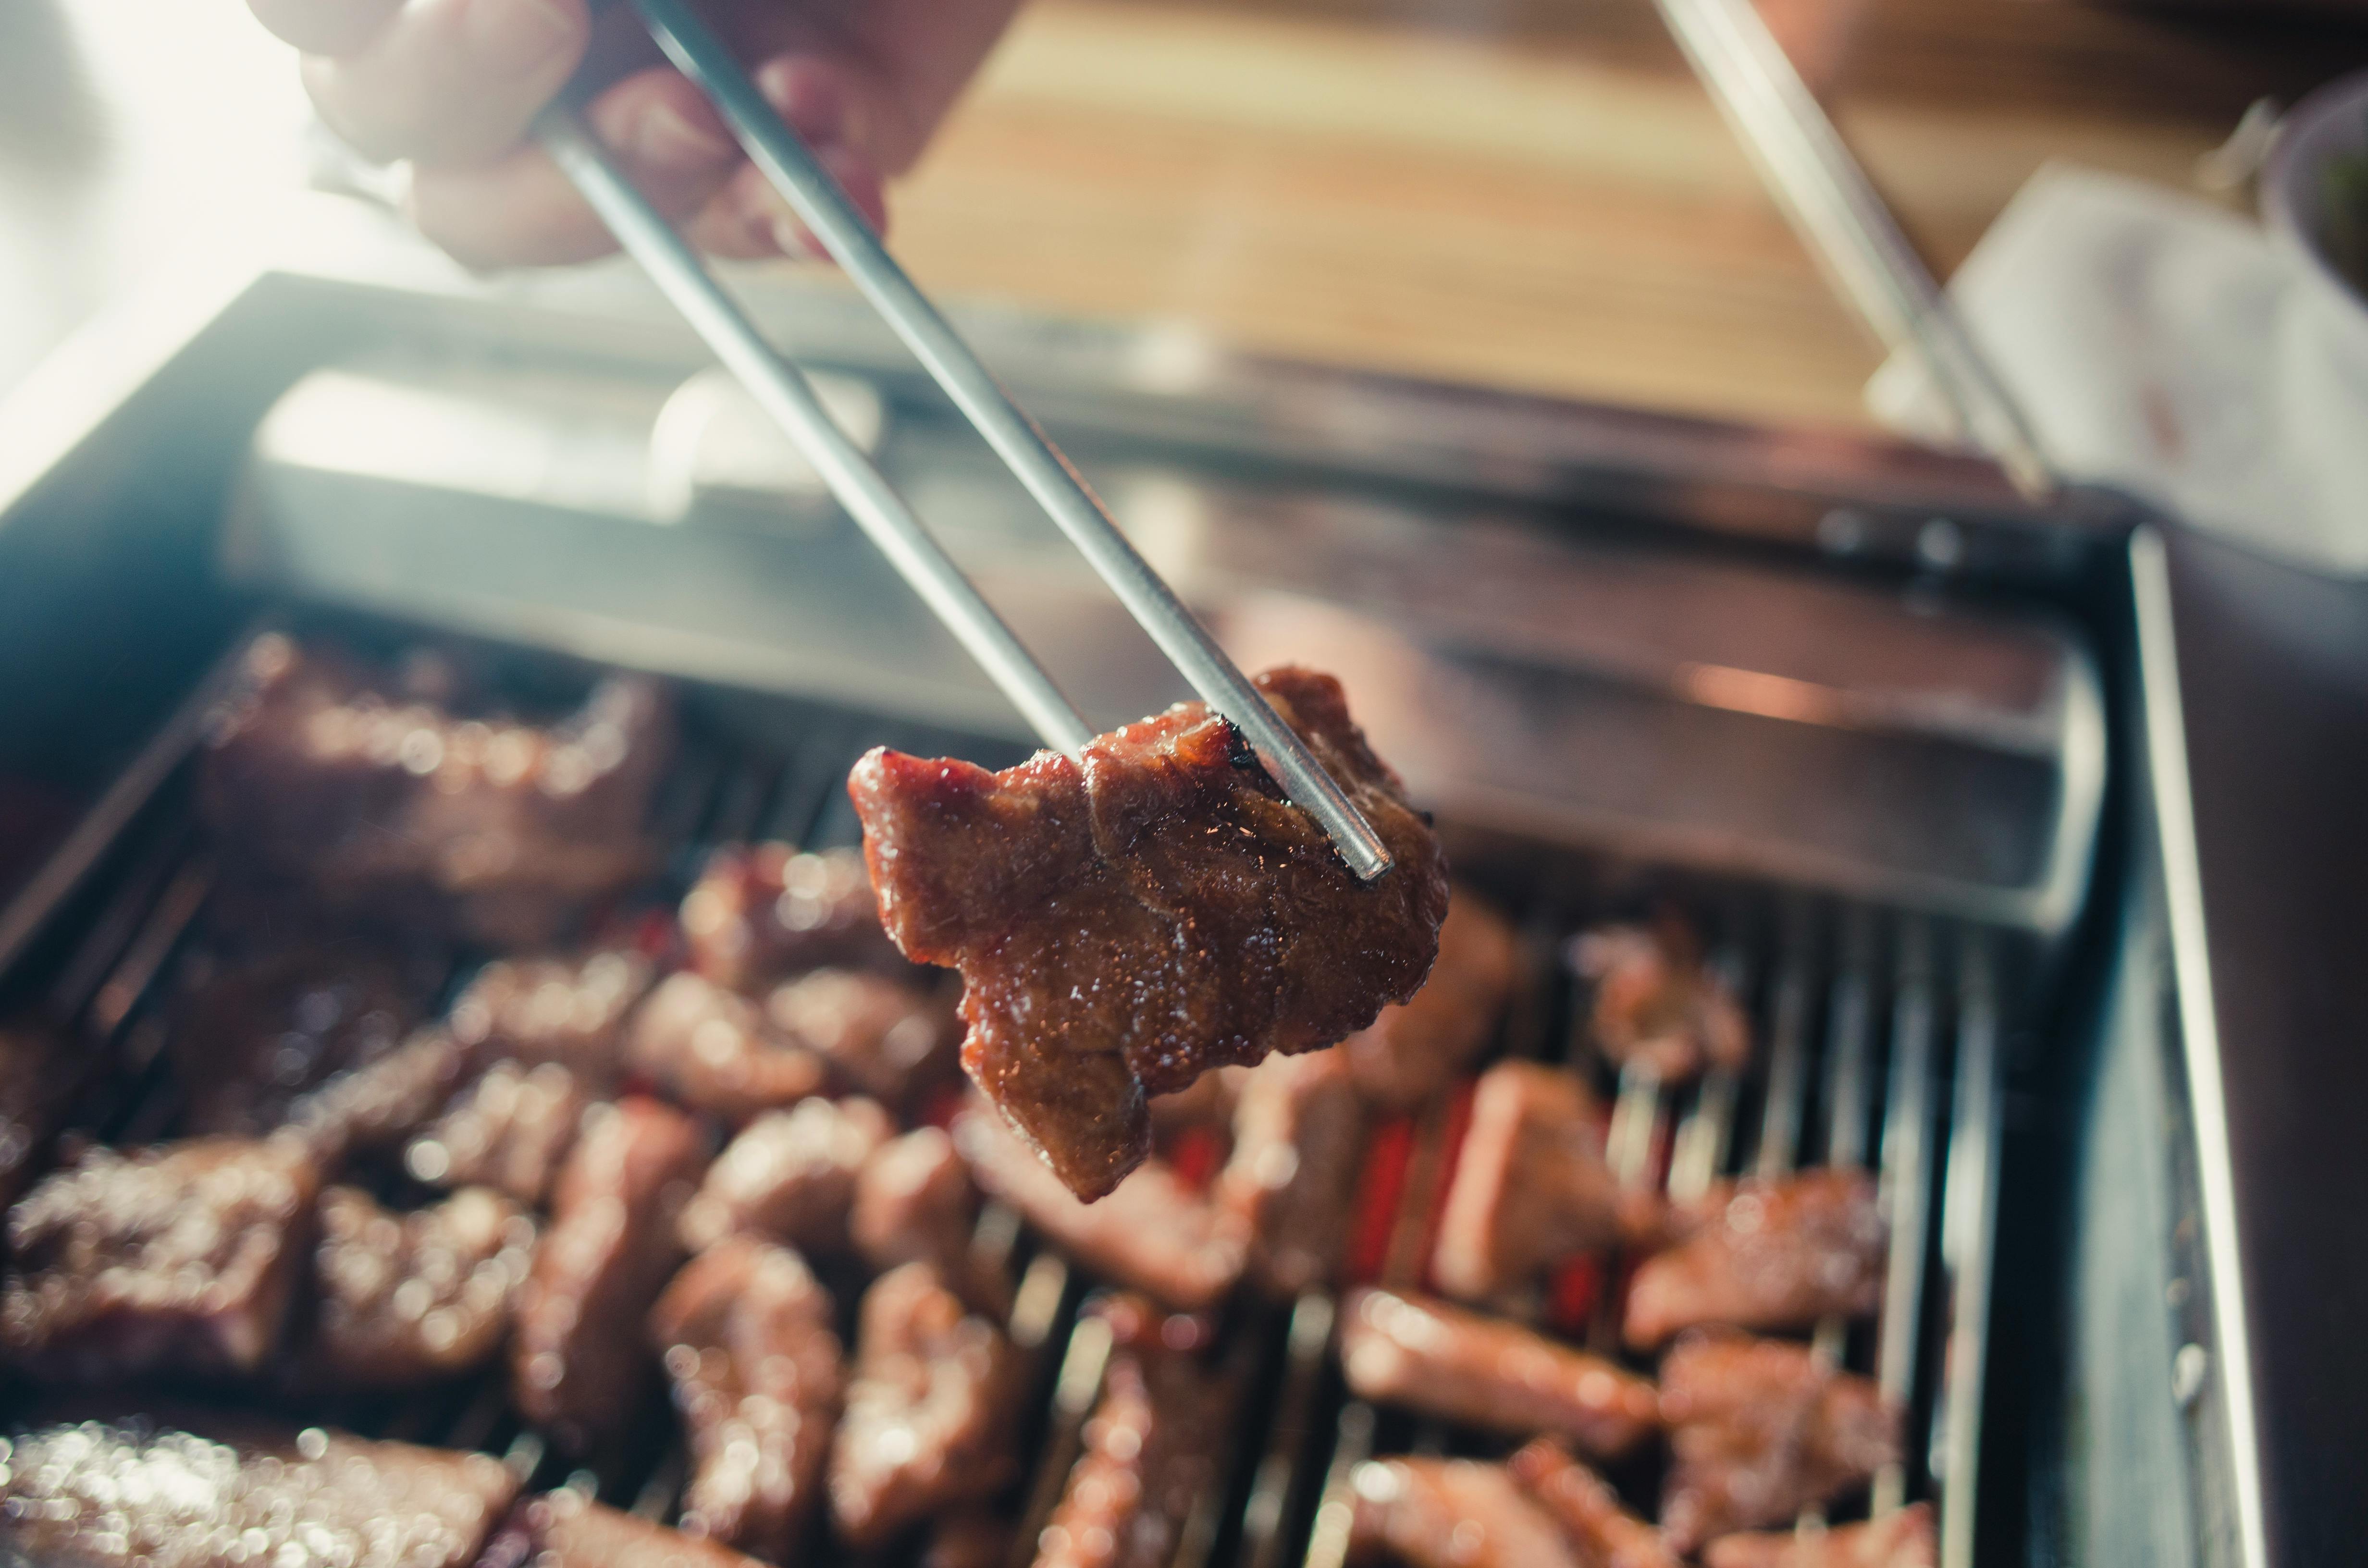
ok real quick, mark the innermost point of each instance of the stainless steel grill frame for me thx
(117, 460)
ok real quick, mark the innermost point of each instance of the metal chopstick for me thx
(791, 166)
(785, 394)
(1839, 212)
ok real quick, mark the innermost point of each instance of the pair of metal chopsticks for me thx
(783, 391)
(1837, 210)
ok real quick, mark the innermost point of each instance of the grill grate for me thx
(1877, 1040)
(1877, 1043)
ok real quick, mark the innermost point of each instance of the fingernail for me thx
(811, 99)
(666, 138)
(520, 36)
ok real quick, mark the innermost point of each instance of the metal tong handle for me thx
(792, 168)
(785, 394)
(1836, 209)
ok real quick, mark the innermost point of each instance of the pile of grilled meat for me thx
(709, 1147)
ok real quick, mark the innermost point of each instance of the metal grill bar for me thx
(1968, 1227)
(1906, 1196)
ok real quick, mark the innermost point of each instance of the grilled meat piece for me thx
(1902, 1538)
(789, 1176)
(249, 1042)
(1154, 1233)
(567, 1529)
(1771, 1254)
(570, 1011)
(1603, 1534)
(324, 772)
(930, 1415)
(1299, 1139)
(1657, 1006)
(760, 913)
(179, 1257)
(889, 1039)
(34, 1067)
(1153, 1447)
(1489, 1373)
(411, 1298)
(98, 1493)
(376, 1106)
(1761, 1429)
(1125, 924)
(915, 1203)
(1410, 1054)
(508, 1130)
(1531, 1188)
(1432, 1512)
(713, 1050)
(745, 1334)
(575, 1355)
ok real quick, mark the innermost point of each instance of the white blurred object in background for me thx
(132, 134)
(2171, 348)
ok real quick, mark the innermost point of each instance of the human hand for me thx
(449, 86)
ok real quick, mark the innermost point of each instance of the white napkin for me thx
(2166, 347)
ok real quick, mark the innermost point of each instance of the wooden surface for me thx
(1525, 192)
(1545, 199)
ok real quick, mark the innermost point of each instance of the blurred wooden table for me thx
(1531, 192)
(1527, 192)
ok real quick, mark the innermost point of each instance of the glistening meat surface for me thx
(745, 1334)
(98, 1493)
(180, 1256)
(1125, 924)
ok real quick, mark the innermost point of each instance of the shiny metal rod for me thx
(1024, 448)
(1846, 225)
(785, 394)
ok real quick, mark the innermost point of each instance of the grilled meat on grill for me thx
(760, 913)
(411, 1298)
(129, 1492)
(789, 1176)
(249, 1041)
(1411, 1052)
(1530, 1188)
(570, 1011)
(576, 1356)
(931, 1414)
(34, 1070)
(1433, 1513)
(321, 771)
(1657, 1006)
(176, 1257)
(1488, 1372)
(1154, 1233)
(1298, 1137)
(713, 1049)
(508, 1130)
(567, 1529)
(1761, 1429)
(1603, 1534)
(1769, 1254)
(889, 1039)
(377, 1106)
(1902, 1538)
(746, 1335)
(914, 1202)
(1125, 924)
(1153, 1447)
